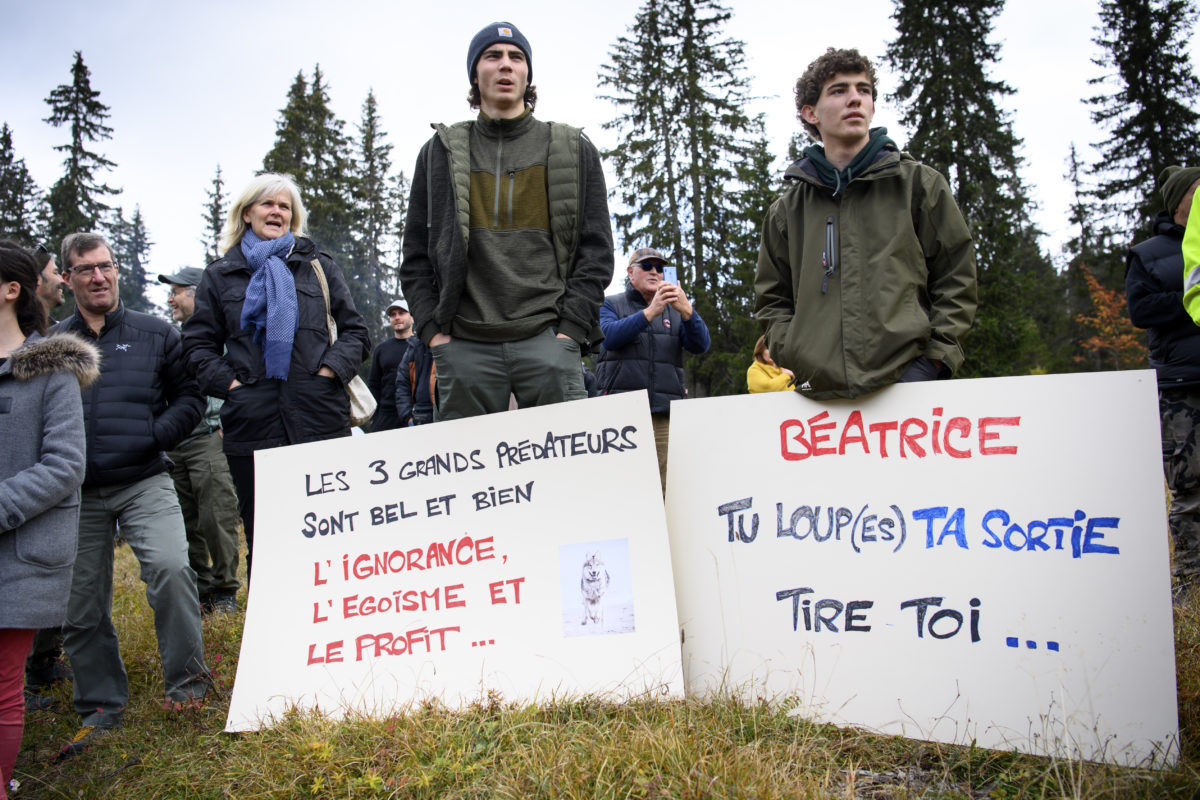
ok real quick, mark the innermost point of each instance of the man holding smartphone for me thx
(646, 329)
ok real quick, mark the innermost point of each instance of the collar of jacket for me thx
(1165, 225)
(234, 259)
(112, 319)
(64, 352)
(804, 170)
(634, 295)
(495, 128)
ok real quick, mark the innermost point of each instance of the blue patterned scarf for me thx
(271, 312)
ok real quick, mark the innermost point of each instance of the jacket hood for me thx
(64, 352)
(1165, 225)
(885, 154)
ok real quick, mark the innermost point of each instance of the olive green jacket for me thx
(437, 227)
(853, 287)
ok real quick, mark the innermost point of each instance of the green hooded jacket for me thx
(854, 285)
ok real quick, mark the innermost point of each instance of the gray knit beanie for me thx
(497, 32)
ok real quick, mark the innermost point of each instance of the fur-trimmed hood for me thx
(64, 352)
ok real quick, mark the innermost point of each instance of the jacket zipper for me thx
(496, 200)
(512, 175)
(829, 256)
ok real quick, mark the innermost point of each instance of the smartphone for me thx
(671, 275)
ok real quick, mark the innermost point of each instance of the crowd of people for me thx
(507, 253)
(118, 423)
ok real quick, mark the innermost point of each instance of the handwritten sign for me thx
(967, 561)
(521, 553)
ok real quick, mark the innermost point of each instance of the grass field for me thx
(579, 749)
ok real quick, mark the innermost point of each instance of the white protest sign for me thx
(522, 553)
(967, 561)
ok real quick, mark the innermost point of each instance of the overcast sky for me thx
(191, 85)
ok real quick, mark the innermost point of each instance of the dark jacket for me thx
(1154, 291)
(436, 231)
(414, 384)
(852, 287)
(646, 355)
(41, 425)
(263, 412)
(144, 403)
(382, 381)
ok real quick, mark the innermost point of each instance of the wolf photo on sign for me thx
(596, 588)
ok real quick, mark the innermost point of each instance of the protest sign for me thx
(965, 561)
(523, 554)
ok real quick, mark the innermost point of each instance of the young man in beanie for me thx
(1154, 289)
(508, 243)
(384, 362)
(866, 272)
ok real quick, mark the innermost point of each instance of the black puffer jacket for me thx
(1154, 291)
(144, 403)
(640, 355)
(260, 413)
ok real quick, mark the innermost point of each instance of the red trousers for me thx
(14, 646)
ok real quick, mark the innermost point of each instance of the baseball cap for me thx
(187, 276)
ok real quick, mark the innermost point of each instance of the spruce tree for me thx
(374, 210)
(76, 200)
(216, 206)
(1149, 108)
(311, 146)
(20, 200)
(329, 183)
(693, 168)
(401, 188)
(131, 248)
(289, 155)
(950, 103)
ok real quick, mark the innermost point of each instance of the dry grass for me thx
(570, 749)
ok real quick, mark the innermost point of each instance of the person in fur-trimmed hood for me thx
(41, 425)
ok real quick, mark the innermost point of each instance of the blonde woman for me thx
(258, 338)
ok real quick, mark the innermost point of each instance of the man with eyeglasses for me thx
(646, 329)
(202, 481)
(143, 404)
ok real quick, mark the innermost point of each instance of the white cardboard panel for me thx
(1068, 648)
(516, 503)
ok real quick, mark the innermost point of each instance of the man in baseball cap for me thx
(384, 362)
(646, 329)
(202, 481)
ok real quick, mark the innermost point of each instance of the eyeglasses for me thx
(86, 270)
(651, 265)
(41, 248)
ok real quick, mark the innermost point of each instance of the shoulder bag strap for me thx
(329, 323)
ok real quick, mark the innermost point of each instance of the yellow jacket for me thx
(766, 378)
(1191, 259)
